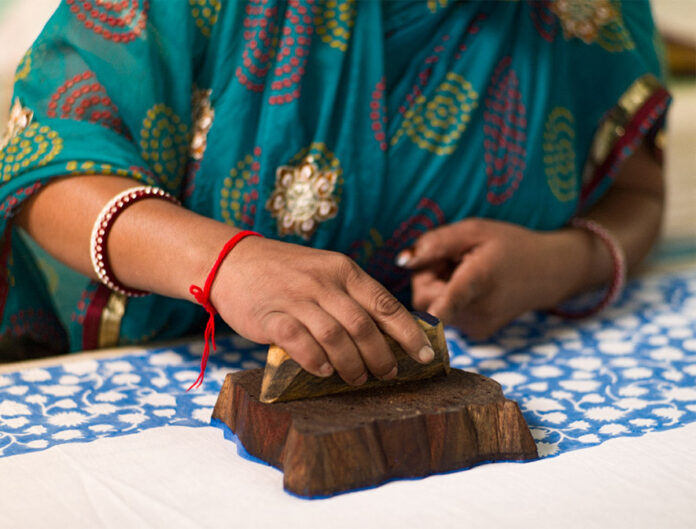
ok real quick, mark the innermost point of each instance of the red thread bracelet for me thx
(618, 259)
(203, 297)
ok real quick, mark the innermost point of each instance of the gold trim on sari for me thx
(614, 125)
(110, 321)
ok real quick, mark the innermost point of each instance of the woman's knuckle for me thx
(330, 333)
(347, 268)
(288, 331)
(385, 305)
(360, 325)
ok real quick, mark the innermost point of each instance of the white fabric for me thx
(192, 477)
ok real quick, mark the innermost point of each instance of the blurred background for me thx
(22, 20)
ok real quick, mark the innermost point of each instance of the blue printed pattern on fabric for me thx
(630, 371)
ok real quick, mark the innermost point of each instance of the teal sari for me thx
(405, 115)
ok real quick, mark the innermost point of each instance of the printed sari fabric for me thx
(341, 124)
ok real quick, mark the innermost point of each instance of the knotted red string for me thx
(203, 297)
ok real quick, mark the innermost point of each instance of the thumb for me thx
(446, 242)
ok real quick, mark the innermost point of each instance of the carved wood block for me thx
(331, 444)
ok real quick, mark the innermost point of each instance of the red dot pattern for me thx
(10, 203)
(473, 29)
(80, 312)
(276, 50)
(544, 19)
(505, 137)
(41, 326)
(83, 98)
(424, 75)
(190, 179)
(118, 21)
(435, 57)
(378, 114)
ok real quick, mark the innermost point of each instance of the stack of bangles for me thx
(618, 258)
(100, 233)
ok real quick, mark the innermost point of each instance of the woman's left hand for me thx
(478, 274)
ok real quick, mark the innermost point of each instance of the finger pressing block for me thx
(285, 380)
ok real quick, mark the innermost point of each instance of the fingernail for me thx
(360, 380)
(403, 258)
(426, 354)
(391, 374)
(326, 370)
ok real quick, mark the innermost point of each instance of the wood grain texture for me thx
(285, 380)
(331, 444)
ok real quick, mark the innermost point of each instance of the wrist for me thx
(203, 296)
(167, 249)
(232, 276)
(617, 259)
(581, 262)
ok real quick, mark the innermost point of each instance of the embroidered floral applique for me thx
(303, 198)
(583, 18)
(20, 118)
(203, 116)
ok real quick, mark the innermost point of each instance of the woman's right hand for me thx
(319, 306)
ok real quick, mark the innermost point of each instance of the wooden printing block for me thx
(330, 444)
(284, 379)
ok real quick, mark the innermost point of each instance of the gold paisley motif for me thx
(436, 5)
(205, 13)
(33, 147)
(437, 124)
(559, 154)
(24, 67)
(334, 21)
(164, 145)
(85, 167)
(615, 37)
(239, 193)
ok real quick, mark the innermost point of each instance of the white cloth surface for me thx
(192, 477)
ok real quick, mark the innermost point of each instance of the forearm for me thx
(154, 245)
(631, 211)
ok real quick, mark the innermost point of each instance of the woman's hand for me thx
(317, 305)
(478, 274)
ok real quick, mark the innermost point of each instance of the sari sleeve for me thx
(626, 54)
(109, 97)
(104, 90)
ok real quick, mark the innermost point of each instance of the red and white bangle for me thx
(102, 227)
(618, 258)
